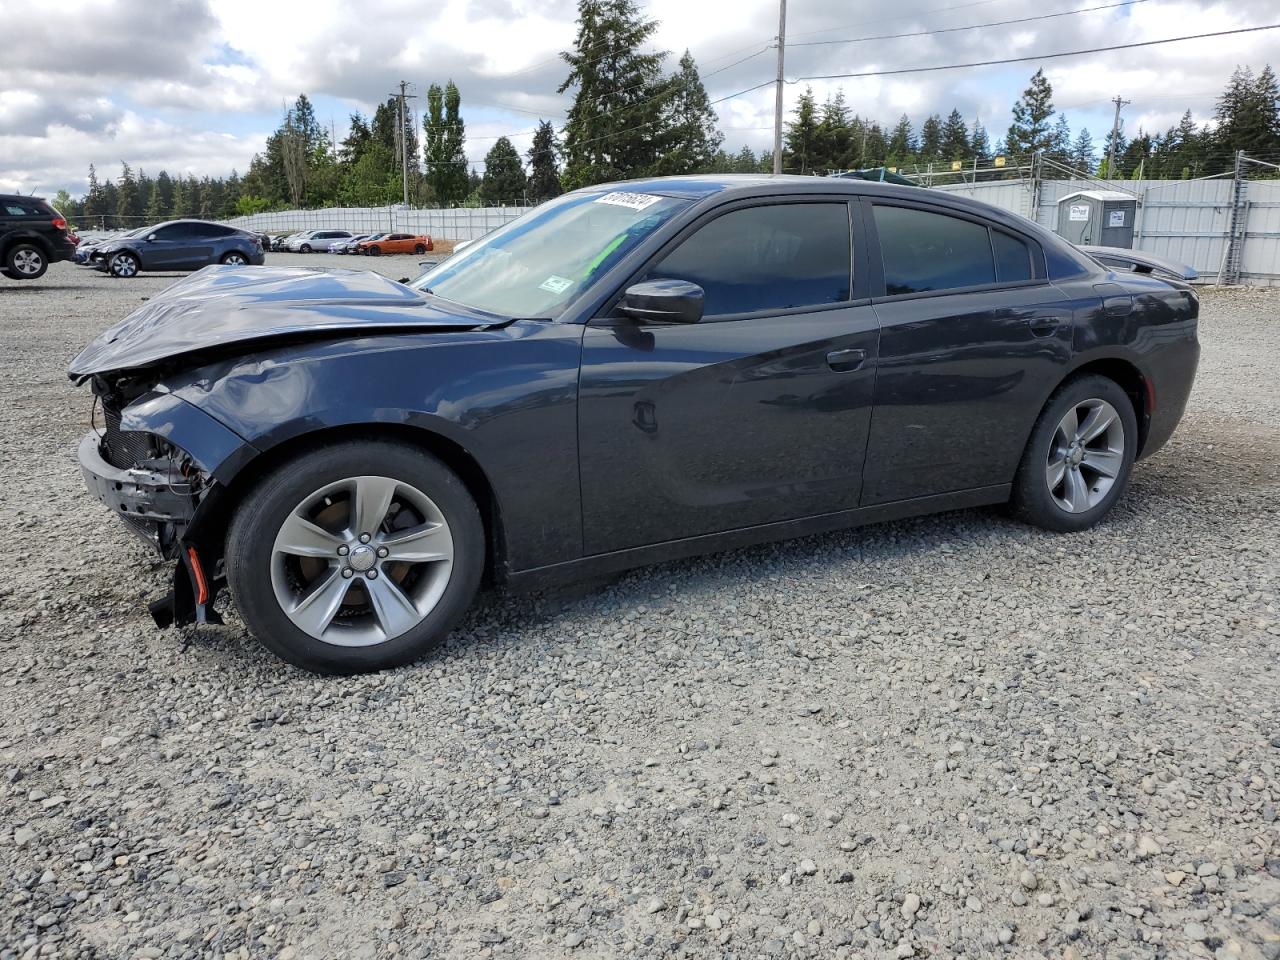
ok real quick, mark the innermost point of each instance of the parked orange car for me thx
(396, 243)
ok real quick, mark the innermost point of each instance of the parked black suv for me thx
(32, 236)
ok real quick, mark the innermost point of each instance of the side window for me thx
(1013, 258)
(15, 209)
(767, 258)
(924, 251)
(174, 231)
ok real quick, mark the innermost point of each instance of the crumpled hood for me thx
(223, 305)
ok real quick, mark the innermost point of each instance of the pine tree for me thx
(504, 180)
(1059, 148)
(800, 139)
(160, 206)
(833, 136)
(746, 161)
(980, 144)
(931, 139)
(93, 205)
(690, 139)
(1082, 151)
(357, 140)
(613, 129)
(544, 171)
(955, 137)
(445, 144)
(127, 207)
(902, 143)
(1031, 129)
(877, 146)
(1248, 113)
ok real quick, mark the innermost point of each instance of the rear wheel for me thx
(124, 264)
(234, 259)
(341, 566)
(420, 249)
(1079, 458)
(25, 261)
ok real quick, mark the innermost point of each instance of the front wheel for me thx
(234, 259)
(375, 251)
(25, 261)
(340, 566)
(124, 264)
(305, 248)
(1079, 458)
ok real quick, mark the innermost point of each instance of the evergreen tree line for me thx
(630, 118)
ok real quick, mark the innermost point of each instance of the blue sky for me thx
(197, 88)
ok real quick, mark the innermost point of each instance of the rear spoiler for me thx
(1124, 260)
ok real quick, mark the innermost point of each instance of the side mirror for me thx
(663, 301)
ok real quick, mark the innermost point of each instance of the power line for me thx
(1041, 56)
(904, 16)
(973, 26)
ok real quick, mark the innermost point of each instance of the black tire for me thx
(375, 251)
(230, 254)
(253, 529)
(305, 248)
(124, 264)
(25, 261)
(420, 249)
(1032, 499)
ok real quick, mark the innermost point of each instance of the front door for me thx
(756, 414)
(973, 340)
(176, 247)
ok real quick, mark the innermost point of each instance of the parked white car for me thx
(310, 241)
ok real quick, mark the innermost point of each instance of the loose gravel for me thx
(951, 736)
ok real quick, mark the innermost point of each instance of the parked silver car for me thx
(310, 241)
(348, 244)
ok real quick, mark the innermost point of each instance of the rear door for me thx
(973, 339)
(756, 414)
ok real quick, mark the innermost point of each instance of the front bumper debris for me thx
(155, 502)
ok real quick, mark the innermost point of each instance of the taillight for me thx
(60, 223)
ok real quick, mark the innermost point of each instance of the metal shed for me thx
(1101, 217)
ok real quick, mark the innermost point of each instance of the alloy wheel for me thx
(1086, 455)
(123, 265)
(28, 262)
(234, 259)
(361, 561)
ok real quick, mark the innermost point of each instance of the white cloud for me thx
(158, 84)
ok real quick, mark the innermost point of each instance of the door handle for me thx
(844, 361)
(1043, 326)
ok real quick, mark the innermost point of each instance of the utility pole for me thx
(777, 100)
(402, 112)
(1115, 135)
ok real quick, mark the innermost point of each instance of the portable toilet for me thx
(1103, 218)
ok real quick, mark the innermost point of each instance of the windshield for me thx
(536, 264)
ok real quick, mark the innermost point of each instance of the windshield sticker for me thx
(554, 284)
(636, 201)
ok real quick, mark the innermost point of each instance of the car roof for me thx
(19, 196)
(699, 187)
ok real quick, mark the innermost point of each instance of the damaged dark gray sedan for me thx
(628, 374)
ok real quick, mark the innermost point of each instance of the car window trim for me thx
(876, 272)
(606, 315)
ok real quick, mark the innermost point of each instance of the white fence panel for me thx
(462, 223)
(1184, 220)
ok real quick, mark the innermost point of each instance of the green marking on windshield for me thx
(599, 258)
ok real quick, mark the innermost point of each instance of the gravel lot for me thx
(953, 736)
